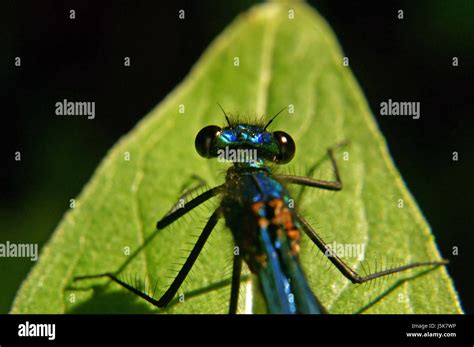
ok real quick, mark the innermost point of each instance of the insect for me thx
(265, 226)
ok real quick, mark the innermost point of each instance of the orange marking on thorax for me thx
(282, 219)
(293, 234)
(256, 207)
(263, 223)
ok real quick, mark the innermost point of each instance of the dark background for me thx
(82, 59)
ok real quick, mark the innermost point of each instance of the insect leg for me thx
(234, 291)
(180, 277)
(174, 215)
(311, 182)
(350, 274)
(177, 207)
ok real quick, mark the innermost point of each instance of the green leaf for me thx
(281, 61)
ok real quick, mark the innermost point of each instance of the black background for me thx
(82, 59)
(227, 329)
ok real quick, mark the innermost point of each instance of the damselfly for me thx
(265, 225)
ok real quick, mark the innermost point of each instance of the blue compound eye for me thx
(286, 145)
(204, 140)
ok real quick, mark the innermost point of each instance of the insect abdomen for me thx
(267, 234)
(281, 278)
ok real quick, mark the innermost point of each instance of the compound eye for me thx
(204, 140)
(286, 145)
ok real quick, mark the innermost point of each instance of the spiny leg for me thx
(176, 206)
(169, 218)
(182, 274)
(234, 291)
(350, 274)
(311, 182)
(174, 215)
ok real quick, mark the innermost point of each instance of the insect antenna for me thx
(225, 114)
(271, 120)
